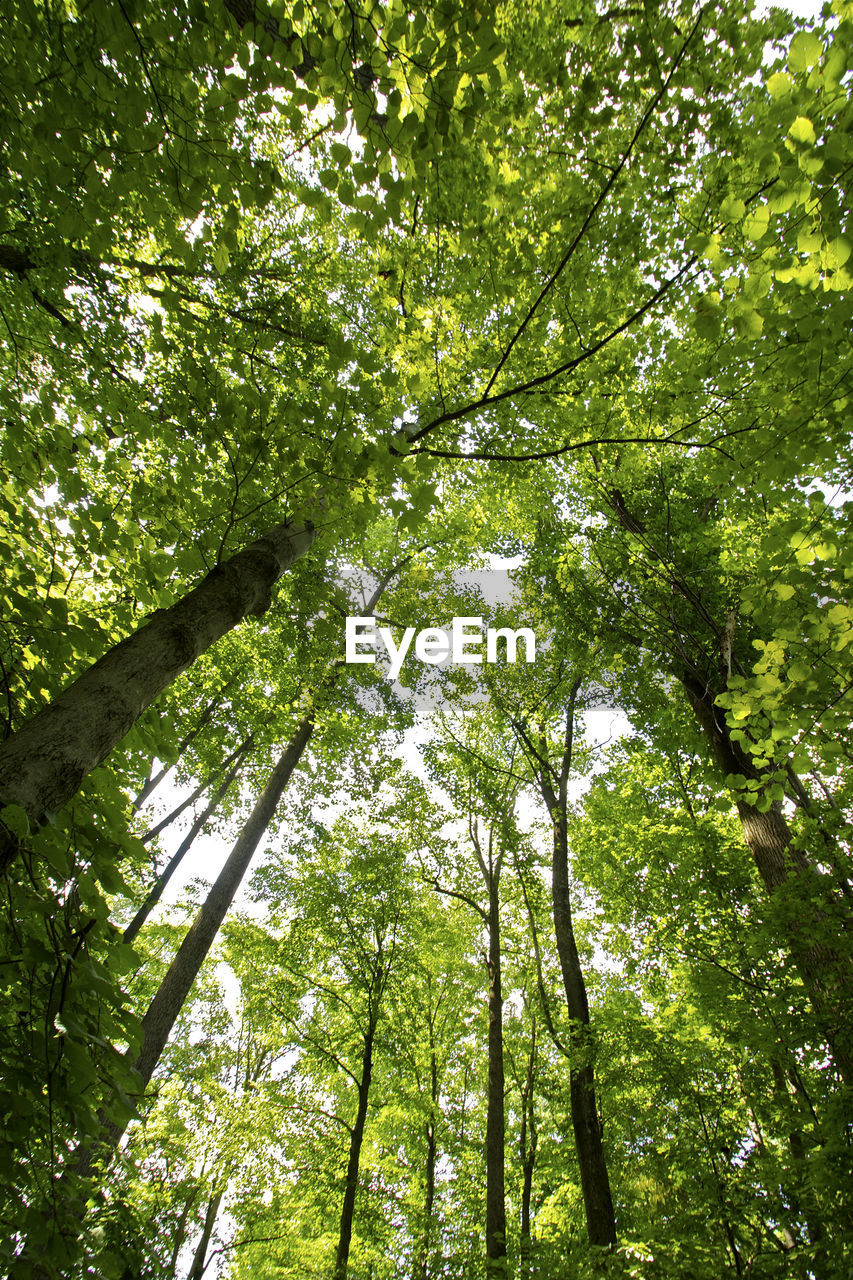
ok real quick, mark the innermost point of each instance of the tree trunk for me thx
(495, 1123)
(175, 987)
(356, 1139)
(196, 1271)
(826, 975)
(180, 853)
(527, 1143)
(595, 1184)
(429, 1198)
(421, 1267)
(193, 796)
(154, 780)
(43, 765)
(179, 1235)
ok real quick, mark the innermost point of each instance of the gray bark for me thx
(43, 765)
(175, 987)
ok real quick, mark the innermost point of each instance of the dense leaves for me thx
(309, 312)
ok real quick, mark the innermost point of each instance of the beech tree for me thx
(294, 293)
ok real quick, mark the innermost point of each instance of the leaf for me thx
(756, 222)
(221, 258)
(15, 819)
(805, 51)
(802, 130)
(779, 84)
(732, 209)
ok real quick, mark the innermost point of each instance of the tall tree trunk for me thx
(154, 779)
(196, 1271)
(44, 763)
(193, 796)
(169, 999)
(495, 1122)
(826, 975)
(553, 784)
(527, 1143)
(183, 848)
(595, 1183)
(356, 1140)
(175, 987)
(421, 1267)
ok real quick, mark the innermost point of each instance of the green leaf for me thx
(779, 84)
(15, 819)
(806, 51)
(802, 130)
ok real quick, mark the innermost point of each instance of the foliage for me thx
(564, 283)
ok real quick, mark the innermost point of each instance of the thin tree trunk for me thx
(43, 765)
(169, 999)
(429, 1196)
(180, 1234)
(595, 1183)
(495, 1122)
(421, 1268)
(527, 1143)
(183, 848)
(196, 1271)
(193, 796)
(154, 779)
(356, 1140)
(175, 987)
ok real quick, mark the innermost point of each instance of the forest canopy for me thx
(531, 315)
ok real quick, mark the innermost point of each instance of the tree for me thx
(283, 293)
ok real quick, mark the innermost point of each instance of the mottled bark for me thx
(44, 763)
(354, 1158)
(183, 848)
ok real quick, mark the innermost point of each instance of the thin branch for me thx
(603, 194)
